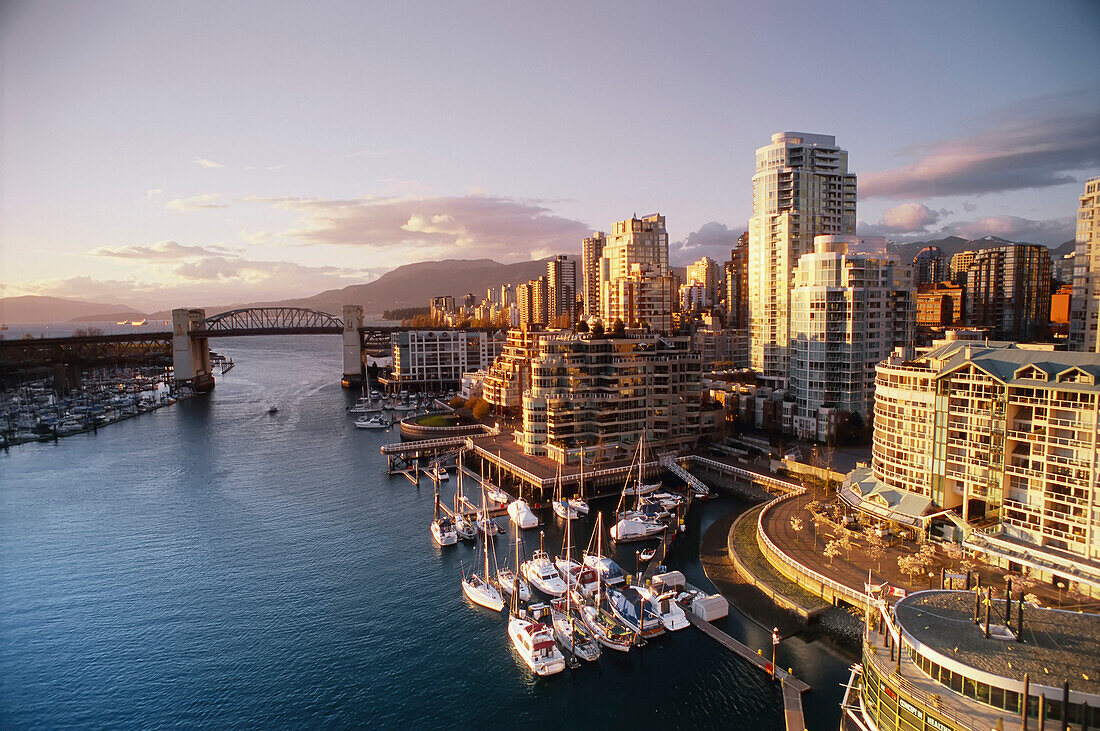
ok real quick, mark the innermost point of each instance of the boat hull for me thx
(483, 594)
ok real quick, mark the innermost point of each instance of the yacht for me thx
(636, 529)
(571, 630)
(482, 592)
(664, 604)
(635, 612)
(466, 530)
(443, 532)
(375, 422)
(605, 626)
(540, 571)
(535, 644)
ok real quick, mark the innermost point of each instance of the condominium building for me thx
(1086, 273)
(510, 373)
(801, 189)
(591, 252)
(960, 263)
(929, 266)
(1004, 436)
(600, 393)
(707, 273)
(848, 313)
(532, 299)
(1007, 290)
(737, 284)
(635, 285)
(561, 288)
(438, 358)
(939, 304)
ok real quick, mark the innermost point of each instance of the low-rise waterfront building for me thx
(427, 359)
(601, 394)
(1005, 437)
(961, 661)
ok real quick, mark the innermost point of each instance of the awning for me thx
(862, 491)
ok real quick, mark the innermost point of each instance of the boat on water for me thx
(497, 495)
(542, 574)
(664, 604)
(535, 645)
(561, 506)
(638, 524)
(466, 530)
(626, 530)
(374, 422)
(510, 580)
(634, 611)
(605, 626)
(647, 553)
(478, 588)
(487, 525)
(571, 631)
(608, 571)
(69, 426)
(443, 528)
(439, 474)
(273, 409)
(521, 514)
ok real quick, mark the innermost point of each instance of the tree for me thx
(876, 549)
(845, 542)
(582, 326)
(910, 566)
(457, 402)
(480, 409)
(618, 328)
(832, 550)
(796, 526)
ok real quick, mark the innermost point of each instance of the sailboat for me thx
(578, 577)
(596, 612)
(561, 506)
(569, 626)
(609, 572)
(577, 503)
(466, 530)
(635, 612)
(636, 525)
(443, 528)
(641, 488)
(510, 580)
(521, 514)
(478, 588)
(540, 571)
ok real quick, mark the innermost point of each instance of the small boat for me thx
(641, 488)
(438, 473)
(273, 409)
(535, 645)
(509, 580)
(540, 571)
(487, 525)
(562, 507)
(497, 495)
(375, 422)
(647, 553)
(69, 426)
(634, 611)
(466, 530)
(580, 507)
(664, 604)
(520, 513)
(609, 572)
(605, 626)
(635, 529)
(443, 531)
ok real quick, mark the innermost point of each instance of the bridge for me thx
(188, 343)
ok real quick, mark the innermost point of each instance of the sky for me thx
(161, 154)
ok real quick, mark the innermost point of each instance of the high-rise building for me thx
(540, 302)
(929, 266)
(561, 286)
(525, 303)
(705, 272)
(801, 189)
(1085, 315)
(737, 284)
(507, 295)
(635, 285)
(960, 263)
(1007, 290)
(1007, 437)
(848, 313)
(510, 374)
(591, 252)
(594, 393)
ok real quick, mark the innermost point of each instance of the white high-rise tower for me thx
(1086, 273)
(801, 189)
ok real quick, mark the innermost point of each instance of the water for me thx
(210, 564)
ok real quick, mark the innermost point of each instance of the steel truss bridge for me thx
(92, 350)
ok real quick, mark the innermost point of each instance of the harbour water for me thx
(210, 564)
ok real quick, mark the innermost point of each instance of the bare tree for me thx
(832, 550)
(796, 526)
(876, 549)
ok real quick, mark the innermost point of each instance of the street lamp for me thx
(775, 643)
(1061, 585)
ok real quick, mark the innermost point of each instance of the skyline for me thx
(230, 153)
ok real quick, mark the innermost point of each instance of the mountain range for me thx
(411, 285)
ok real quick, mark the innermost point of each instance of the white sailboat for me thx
(569, 627)
(478, 588)
(510, 580)
(443, 528)
(635, 525)
(577, 503)
(561, 506)
(609, 572)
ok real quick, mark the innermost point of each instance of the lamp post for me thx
(775, 643)
(1061, 585)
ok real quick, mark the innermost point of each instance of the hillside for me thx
(954, 244)
(31, 308)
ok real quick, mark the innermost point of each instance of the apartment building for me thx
(509, 374)
(737, 284)
(1003, 435)
(561, 289)
(635, 284)
(801, 189)
(708, 275)
(430, 359)
(1085, 314)
(591, 253)
(1007, 290)
(601, 394)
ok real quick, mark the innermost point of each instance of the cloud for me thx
(162, 250)
(199, 202)
(227, 268)
(909, 217)
(713, 239)
(153, 194)
(202, 161)
(1016, 154)
(505, 229)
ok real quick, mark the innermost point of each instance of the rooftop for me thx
(1057, 645)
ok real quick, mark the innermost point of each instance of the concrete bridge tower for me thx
(191, 357)
(353, 349)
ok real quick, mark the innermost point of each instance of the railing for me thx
(399, 447)
(747, 474)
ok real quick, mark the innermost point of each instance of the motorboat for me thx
(535, 645)
(668, 501)
(375, 422)
(634, 611)
(487, 525)
(438, 473)
(571, 630)
(443, 532)
(69, 426)
(584, 579)
(466, 530)
(609, 572)
(641, 488)
(521, 514)
(540, 571)
(664, 604)
(636, 529)
(647, 553)
(497, 495)
(273, 409)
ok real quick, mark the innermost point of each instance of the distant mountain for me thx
(411, 285)
(31, 308)
(955, 244)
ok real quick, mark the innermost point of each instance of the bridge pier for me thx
(353, 352)
(191, 356)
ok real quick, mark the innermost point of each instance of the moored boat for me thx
(521, 514)
(535, 645)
